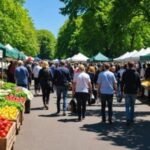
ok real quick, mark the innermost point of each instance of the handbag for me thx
(92, 99)
(72, 106)
(50, 84)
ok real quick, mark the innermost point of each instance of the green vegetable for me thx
(4, 102)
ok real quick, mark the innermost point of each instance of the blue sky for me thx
(45, 14)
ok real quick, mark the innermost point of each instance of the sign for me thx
(1, 54)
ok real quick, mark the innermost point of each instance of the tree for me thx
(47, 44)
(110, 26)
(68, 42)
(16, 27)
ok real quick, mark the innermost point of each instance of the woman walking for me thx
(81, 89)
(45, 79)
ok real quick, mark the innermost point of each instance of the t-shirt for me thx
(21, 75)
(36, 71)
(106, 80)
(82, 81)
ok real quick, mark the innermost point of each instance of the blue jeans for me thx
(129, 104)
(61, 90)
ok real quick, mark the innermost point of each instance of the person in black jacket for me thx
(129, 86)
(62, 80)
(147, 72)
(45, 79)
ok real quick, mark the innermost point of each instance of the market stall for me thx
(99, 58)
(12, 107)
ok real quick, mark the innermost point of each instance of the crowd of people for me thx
(87, 82)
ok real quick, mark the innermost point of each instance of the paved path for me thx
(42, 130)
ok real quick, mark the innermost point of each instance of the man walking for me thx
(61, 80)
(130, 86)
(21, 75)
(106, 86)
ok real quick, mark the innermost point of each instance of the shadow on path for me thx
(36, 108)
(134, 137)
(67, 120)
(50, 115)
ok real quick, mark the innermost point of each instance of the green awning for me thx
(145, 58)
(22, 56)
(9, 53)
(99, 57)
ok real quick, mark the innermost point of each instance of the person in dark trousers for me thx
(62, 80)
(81, 89)
(147, 72)
(11, 71)
(45, 79)
(106, 85)
(21, 75)
(129, 87)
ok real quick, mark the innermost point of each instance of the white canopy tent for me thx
(130, 55)
(134, 55)
(79, 57)
(126, 57)
(142, 52)
(55, 61)
(122, 57)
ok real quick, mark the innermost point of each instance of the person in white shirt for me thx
(35, 72)
(81, 89)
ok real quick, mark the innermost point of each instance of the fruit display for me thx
(4, 102)
(5, 126)
(14, 98)
(9, 112)
(146, 83)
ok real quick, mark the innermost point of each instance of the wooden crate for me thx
(17, 123)
(8, 142)
(21, 117)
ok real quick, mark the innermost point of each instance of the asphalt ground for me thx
(44, 130)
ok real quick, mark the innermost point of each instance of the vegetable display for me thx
(14, 98)
(8, 85)
(4, 102)
(9, 112)
(5, 126)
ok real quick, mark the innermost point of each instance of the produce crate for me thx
(21, 117)
(17, 123)
(22, 113)
(8, 142)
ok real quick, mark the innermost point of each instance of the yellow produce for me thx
(9, 112)
(146, 83)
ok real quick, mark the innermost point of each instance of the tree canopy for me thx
(110, 26)
(47, 44)
(16, 27)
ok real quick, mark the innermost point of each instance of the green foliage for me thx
(68, 42)
(108, 26)
(47, 44)
(16, 27)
